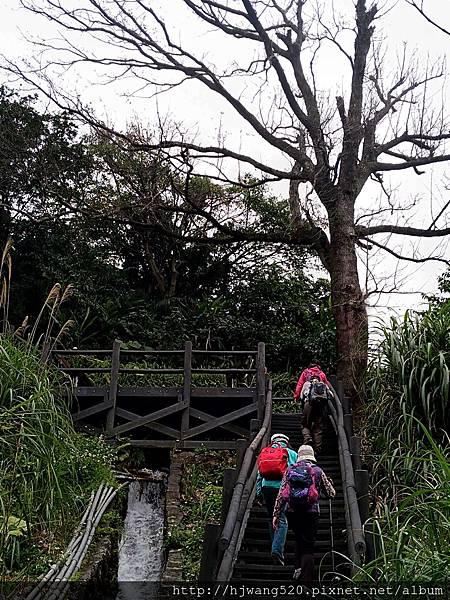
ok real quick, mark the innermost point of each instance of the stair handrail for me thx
(242, 492)
(356, 540)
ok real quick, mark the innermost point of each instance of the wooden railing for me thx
(354, 498)
(181, 403)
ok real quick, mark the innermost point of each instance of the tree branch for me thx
(410, 163)
(408, 258)
(425, 16)
(362, 231)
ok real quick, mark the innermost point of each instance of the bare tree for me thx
(384, 122)
(420, 6)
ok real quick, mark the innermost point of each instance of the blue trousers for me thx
(277, 537)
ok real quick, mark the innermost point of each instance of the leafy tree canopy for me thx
(81, 210)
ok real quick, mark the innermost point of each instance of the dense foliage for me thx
(116, 225)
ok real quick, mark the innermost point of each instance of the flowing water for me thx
(141, 545)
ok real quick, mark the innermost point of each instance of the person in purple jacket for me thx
(299, 494)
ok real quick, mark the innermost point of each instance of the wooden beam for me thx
(241, 448)
(151, 371)
(229, 479)
(261, 379)
(218, 421)
(223, 392)
(223, 371)
(209, 560)
(115, 363)
(159, 414)
(155, 443)
(255, 425)
(205, 417)
(149, 392)
(187, 444)
(82, 352)
(151, 352)
(171, 392)
(211, 444)
(187, 387)
(226, 352)
(90, 391)
(169, 431)
(92, 410)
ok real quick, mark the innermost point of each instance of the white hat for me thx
(306, 453)
(279, 437)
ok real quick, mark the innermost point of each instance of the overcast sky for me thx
(212, 118)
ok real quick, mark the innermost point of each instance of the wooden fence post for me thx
(362, 490)
(115, 363)
(187, 384)
(261, 379)
(355, 451)
(229, 479)
(241, 447)
(210, 552)
(255, 426)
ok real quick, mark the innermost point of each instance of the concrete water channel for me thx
(140, 555)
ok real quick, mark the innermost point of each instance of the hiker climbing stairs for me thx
(254, 560)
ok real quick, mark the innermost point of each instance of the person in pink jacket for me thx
(313, 391)
(314, 370)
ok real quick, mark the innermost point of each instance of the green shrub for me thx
(283, 386)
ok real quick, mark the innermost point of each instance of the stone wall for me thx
(174, 514)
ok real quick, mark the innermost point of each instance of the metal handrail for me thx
(356, 542)
(242, 494)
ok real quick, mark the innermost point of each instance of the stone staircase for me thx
(254, 562)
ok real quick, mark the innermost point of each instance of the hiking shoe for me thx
(297, 574)
(278, 558)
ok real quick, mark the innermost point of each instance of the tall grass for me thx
(47, 470)
(409, 380)
(407, 421)
(412, 530)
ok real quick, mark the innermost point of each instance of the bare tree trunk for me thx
(348, 305)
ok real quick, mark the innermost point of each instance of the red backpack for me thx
(273, 462)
